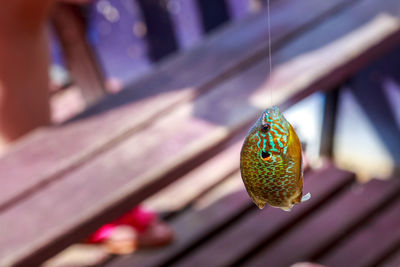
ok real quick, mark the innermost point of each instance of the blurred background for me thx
(150, 103)
(128, 38)
(126, 42)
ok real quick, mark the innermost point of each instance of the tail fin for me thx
(306, 197)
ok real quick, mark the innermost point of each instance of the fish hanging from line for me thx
(271, 162)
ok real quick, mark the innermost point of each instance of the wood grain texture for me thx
(393, 260)
(324, 227)
(263, 226)
(174, 81)
(192, 226)
(136, 163)
(191, 186)
(373, 240)
(208, 215)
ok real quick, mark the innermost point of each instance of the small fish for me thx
(271, 162)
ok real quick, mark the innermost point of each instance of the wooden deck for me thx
(183, 125)
(222, 228)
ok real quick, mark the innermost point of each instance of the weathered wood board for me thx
(370, 243)
(193, 226)
(324, 227)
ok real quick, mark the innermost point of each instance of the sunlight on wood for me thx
(228, 187)
(352, 45)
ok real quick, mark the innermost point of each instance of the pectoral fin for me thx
(259, 202)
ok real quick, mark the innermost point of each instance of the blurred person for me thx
(24, 106)
(24, 97)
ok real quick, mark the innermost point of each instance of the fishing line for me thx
(269, 50)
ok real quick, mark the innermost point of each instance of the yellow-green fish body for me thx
(271, 162)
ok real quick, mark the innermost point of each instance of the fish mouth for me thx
(274, 115)
(274, 111)
(271, 114)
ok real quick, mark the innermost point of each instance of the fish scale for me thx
(270, 162)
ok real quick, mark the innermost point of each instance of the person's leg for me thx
(24, 101)
(24, 94)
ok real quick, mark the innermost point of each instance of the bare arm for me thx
(23, 68)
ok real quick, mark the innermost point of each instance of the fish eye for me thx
(265, 154)
(265, 127)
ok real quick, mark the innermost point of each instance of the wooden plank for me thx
(150, 97)
(393, 260)
(85, 70)
(210, 213)
(367, 246)
(258, 227)
(325, 227)
(194, 226)
(191, 186)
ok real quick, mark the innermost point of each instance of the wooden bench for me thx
(78, 176)
(232, 232)
(70, 22)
